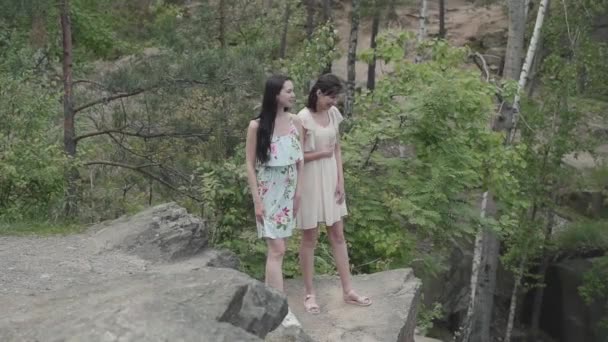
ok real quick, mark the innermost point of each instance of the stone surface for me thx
(564, 314)
(148, 278)
(209, 304)
(289, 334)
(425, 339)
(140, 278)
(162, 233)
(391, 317)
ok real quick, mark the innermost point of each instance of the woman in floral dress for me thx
(274, 160)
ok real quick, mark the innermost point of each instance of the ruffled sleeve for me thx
(337, 117)
(309, 126)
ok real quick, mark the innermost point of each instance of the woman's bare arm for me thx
(250, 157)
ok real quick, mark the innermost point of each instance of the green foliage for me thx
(307, 63)
(583, 236)
(576, 57)
(595, 289)
(94, 30)
(440, 112)
(39, 228)
(31, 161)
(426, 316)
(553, 125)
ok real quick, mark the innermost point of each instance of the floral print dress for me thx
(277, 180)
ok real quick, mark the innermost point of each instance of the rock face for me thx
(217, 304)
(139, 278)
(162, 233)
(564, 315)
(392, 316)
(149, 278)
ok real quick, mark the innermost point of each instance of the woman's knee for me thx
(335, 234)
(276, 248)
(309, 238)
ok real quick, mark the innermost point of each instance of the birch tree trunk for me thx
(516, 37)
(476, 309)
(521, 85)
(486, 289)
(467, 326)
(421, 27)
(540, 17)
(422, 20)
(69, 132)
(352, 58)
(513, 306)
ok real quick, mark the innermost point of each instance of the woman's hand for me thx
(259, 211)
(329, 150)
(340, 192)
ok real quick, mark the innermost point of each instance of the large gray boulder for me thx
(162, 233)
(392, 316)
(147, 277)
(209, 304)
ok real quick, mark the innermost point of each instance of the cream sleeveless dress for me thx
(320, 177)
(277, 179)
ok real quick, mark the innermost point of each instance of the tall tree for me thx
(515, 43)
(327, 18)
(422, 30)
(520, 87)
(352, 57)
(442, 31)
(371, 69)
(69, 132)
(286, 16)
(310, 17)
(476, 326)
(222, 23)
(523, 77)
(422, 20)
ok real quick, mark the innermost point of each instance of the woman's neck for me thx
(281, 112)
(320, 110)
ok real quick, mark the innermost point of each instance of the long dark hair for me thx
(268, 114)
(329, 84)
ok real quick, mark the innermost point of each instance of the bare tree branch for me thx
(374, 147)
(483, 66)
(89, 82)
(112, 98)
(140, 169)
(142, 135)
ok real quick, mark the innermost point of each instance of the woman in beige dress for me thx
(323, 188)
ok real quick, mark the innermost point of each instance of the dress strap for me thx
(293, 128)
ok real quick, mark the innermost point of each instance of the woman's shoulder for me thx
(337, 116)
(254, 124)
(295, 118)
(303, 113)
(305, 118)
